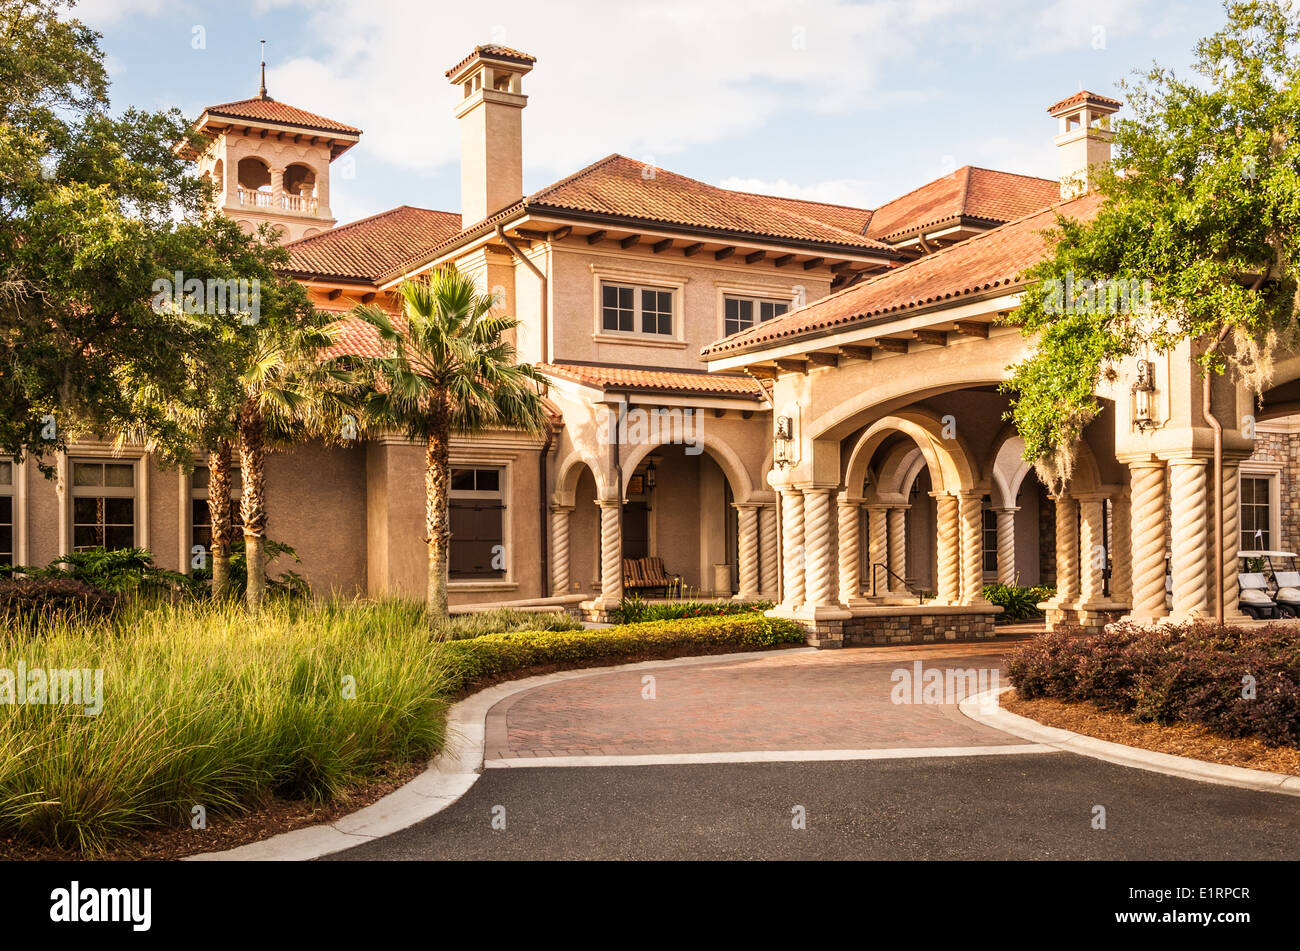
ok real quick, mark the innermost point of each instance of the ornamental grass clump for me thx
(203, 706)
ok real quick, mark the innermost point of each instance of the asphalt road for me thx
(1037, 806)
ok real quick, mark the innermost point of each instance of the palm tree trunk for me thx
(219, 517)
(437, 520)
(252, 504)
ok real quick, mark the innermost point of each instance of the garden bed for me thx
(1180, 739)
(1232, 682)
(288, 720)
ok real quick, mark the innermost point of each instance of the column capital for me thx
(1141, 462)
(609, 503)
(809, 488)
(746, 506)
(557, 508)
(1006, 509)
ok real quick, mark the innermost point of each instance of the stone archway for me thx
(927, 441)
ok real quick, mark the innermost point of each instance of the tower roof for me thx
(263, 112)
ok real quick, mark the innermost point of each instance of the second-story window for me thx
(742, 312)
(628, 308)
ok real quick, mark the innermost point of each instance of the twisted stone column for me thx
(611, 551)
(747, 545)
(1007, 544)
(1231, 540)
(877, 548)
(1147, 540)
(1188, 545)
(1121, 556)
(850, 551)
(1092, 550)
(946, 530)
(819, 586)
(769, 569)
(792, 562)
(1067, 549)
(560, 549)
(898, 548)
(970, 512)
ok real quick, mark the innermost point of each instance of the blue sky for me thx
(825, 99)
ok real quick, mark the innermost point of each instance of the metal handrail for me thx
(920, 598)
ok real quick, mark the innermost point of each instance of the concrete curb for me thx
(983, 708)
(449, 776)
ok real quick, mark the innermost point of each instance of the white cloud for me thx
(101, 13)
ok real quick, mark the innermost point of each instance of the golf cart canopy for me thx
(1266, 554)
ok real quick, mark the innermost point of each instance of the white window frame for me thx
(138, 492)
(757, 304)
(638, 281)
(507, 581)
(189, 492)
(1271, 472)
(16, 492)
(775, 293)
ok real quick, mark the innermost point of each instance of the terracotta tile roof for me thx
(655, 380)
(969, 192)
(992, 261)
(496, 52)
(269, 110)
(363, 250)
(617, 185)
(1084, 96)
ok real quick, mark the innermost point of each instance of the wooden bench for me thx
(642, 574)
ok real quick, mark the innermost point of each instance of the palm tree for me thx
(289, 392)
(449, 370)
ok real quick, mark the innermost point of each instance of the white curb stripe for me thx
(765, 756)
(984, 709)
(449, 776)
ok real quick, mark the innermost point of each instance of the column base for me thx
(746, 596)
(599, 610)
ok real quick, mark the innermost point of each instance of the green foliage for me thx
(1203, 201)
(202, 704)
(494, 656)
(502, 620)
(287, 583)
(634, 609)
(1017, 603)
(122, 571)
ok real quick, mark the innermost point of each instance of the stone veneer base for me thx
(902, 624)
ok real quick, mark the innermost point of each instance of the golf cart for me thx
(1280, 568)
(1254, 600)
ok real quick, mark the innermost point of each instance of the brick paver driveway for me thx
(827, 700)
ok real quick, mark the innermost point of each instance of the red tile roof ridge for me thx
(914, 263)
(338, 229)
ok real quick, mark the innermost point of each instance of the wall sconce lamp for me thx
(650, 475)
(1143, 387)
(782, 454)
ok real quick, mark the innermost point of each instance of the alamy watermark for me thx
(948, 685)
(660, 426)
(1107, 295)
(41, 686)
(214, 296)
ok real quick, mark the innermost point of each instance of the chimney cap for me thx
(1102, 105)
(492, 52)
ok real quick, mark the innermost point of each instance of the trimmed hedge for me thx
(492, 656)
(634, 609)
(27, 600)
(1190, 673)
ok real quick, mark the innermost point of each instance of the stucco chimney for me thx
(491, 141)
(1083, 141)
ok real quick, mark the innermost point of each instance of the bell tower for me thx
(269, 162)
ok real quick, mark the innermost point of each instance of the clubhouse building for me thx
(777, 398)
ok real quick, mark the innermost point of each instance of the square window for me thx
(6, 473)
(119, 476)
(462, 480)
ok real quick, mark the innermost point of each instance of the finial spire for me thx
(261, 90)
